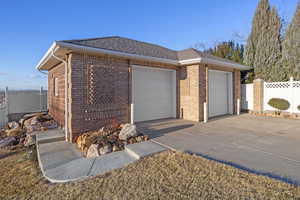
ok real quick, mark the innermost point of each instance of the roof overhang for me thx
(216, 62)
(60, 49)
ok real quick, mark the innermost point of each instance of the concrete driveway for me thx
(263, 145)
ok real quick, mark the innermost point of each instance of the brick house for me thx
(94, 81)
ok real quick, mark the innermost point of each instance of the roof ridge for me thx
(108, 37)
(87, 39)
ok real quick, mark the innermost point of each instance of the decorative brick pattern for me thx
(92, 109)
(56, 104)
(101, 90)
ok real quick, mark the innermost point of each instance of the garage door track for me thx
(268, 146)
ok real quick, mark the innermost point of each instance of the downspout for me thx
(66, 92)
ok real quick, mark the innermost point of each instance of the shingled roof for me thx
(192, 53)
(133, 49)
(126, 45)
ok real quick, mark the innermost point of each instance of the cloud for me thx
(3, 74)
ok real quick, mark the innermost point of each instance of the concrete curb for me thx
(82, 168)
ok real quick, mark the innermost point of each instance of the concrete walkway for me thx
(268, 146)
(62, 162)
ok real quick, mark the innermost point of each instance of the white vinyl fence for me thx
(15, 102)
(289, 91)
(247, 96)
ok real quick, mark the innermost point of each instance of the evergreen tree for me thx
(270, 51)
(291, 47)
(259, 28)
(263, 50)
(229, 50)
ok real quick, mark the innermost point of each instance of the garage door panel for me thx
(220, 87)
(153, 93)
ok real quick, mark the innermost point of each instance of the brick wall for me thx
(57, 103)
(237, 89)
(90, 108)
(190, 92)
(194, 86)
(203, 90)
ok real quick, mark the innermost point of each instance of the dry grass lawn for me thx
(167, 175)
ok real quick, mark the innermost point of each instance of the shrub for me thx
(298, 107)
(280, 104)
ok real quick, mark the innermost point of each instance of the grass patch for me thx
(167, 175)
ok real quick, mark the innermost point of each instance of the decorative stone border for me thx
(277, 114)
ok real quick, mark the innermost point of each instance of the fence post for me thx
(6, 105)
(41, 99)
(291, 87)
(258, 95)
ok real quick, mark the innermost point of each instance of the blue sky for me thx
(28, 27)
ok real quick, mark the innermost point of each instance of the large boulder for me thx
(128, 131)
(8, 141)
(14, 132)
(93, 151)
(105, 149)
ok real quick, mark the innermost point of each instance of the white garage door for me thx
(220, 93)
(153, 93)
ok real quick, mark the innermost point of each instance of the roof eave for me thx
(86, 49)
(225, 64)
(68, 47)
(46, 56)
(214, 62)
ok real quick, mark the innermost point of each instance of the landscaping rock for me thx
(29, 140)
(2, 132)
(21, 122)
(44, 118)
(8, 141)
(34, 120)
(13, 125)
(22, 140)
(132, 141)
(105, 149)
(28, 116)
(93, 151)
(128, 131)
(14, 132)
(139, 138)
(116, 148)
(39, 123)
